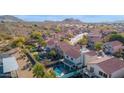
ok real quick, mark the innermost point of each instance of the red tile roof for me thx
(94, 34)
(96, 39)
(74, 53)
(63, 46)
(69, 50)
(78, 47)
(91, 53)
(115, 43)
(51, 42)
(111, 65)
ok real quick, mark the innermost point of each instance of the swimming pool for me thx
(58, 72)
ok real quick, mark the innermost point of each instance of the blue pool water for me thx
(58, 71)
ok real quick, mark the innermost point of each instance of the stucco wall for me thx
(75, 61)
(89, 59)
(118, 74)
(96, 70)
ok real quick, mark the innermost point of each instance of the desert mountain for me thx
(8, 18)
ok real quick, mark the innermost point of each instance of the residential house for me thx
(72, 58)
(110, 68)
(62, 47)
(94, 36)
(106, 32)
(112, 47)
(91, 58)
(72, 55)
(51, 43)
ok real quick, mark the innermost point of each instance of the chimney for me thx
(82, 51)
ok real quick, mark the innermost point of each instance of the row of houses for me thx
(96, 63)
(97, 36)
(108, 47)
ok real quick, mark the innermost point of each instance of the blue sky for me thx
(84, 18)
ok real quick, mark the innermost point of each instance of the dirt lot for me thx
(24, 73)
(24, 65)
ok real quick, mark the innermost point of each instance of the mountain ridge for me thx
(9, 18)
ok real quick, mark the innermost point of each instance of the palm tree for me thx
(38, 70)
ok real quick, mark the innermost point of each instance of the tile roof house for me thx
(92, 57)
(106, 32)
(110, 68)
(95, 34)
(68, 49)
(51, 43)
(112, 47)
(73, 58)
(71, 54)
(62, 47)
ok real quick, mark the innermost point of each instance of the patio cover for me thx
(9, 64)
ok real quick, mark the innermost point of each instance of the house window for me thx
(71, 58)
(105, 75)
(100, 73)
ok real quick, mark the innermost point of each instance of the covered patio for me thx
(10, 65)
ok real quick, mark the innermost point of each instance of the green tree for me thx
(118, 37)
(84, 40)
(36, 35)
(18, 42)
(43, 43)
(70, 35)
(114, 32)
(47, 33)
(62, 38)
(98, 46)
(58, 29)
(50, 73)
(38, 70)
(52, 53)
